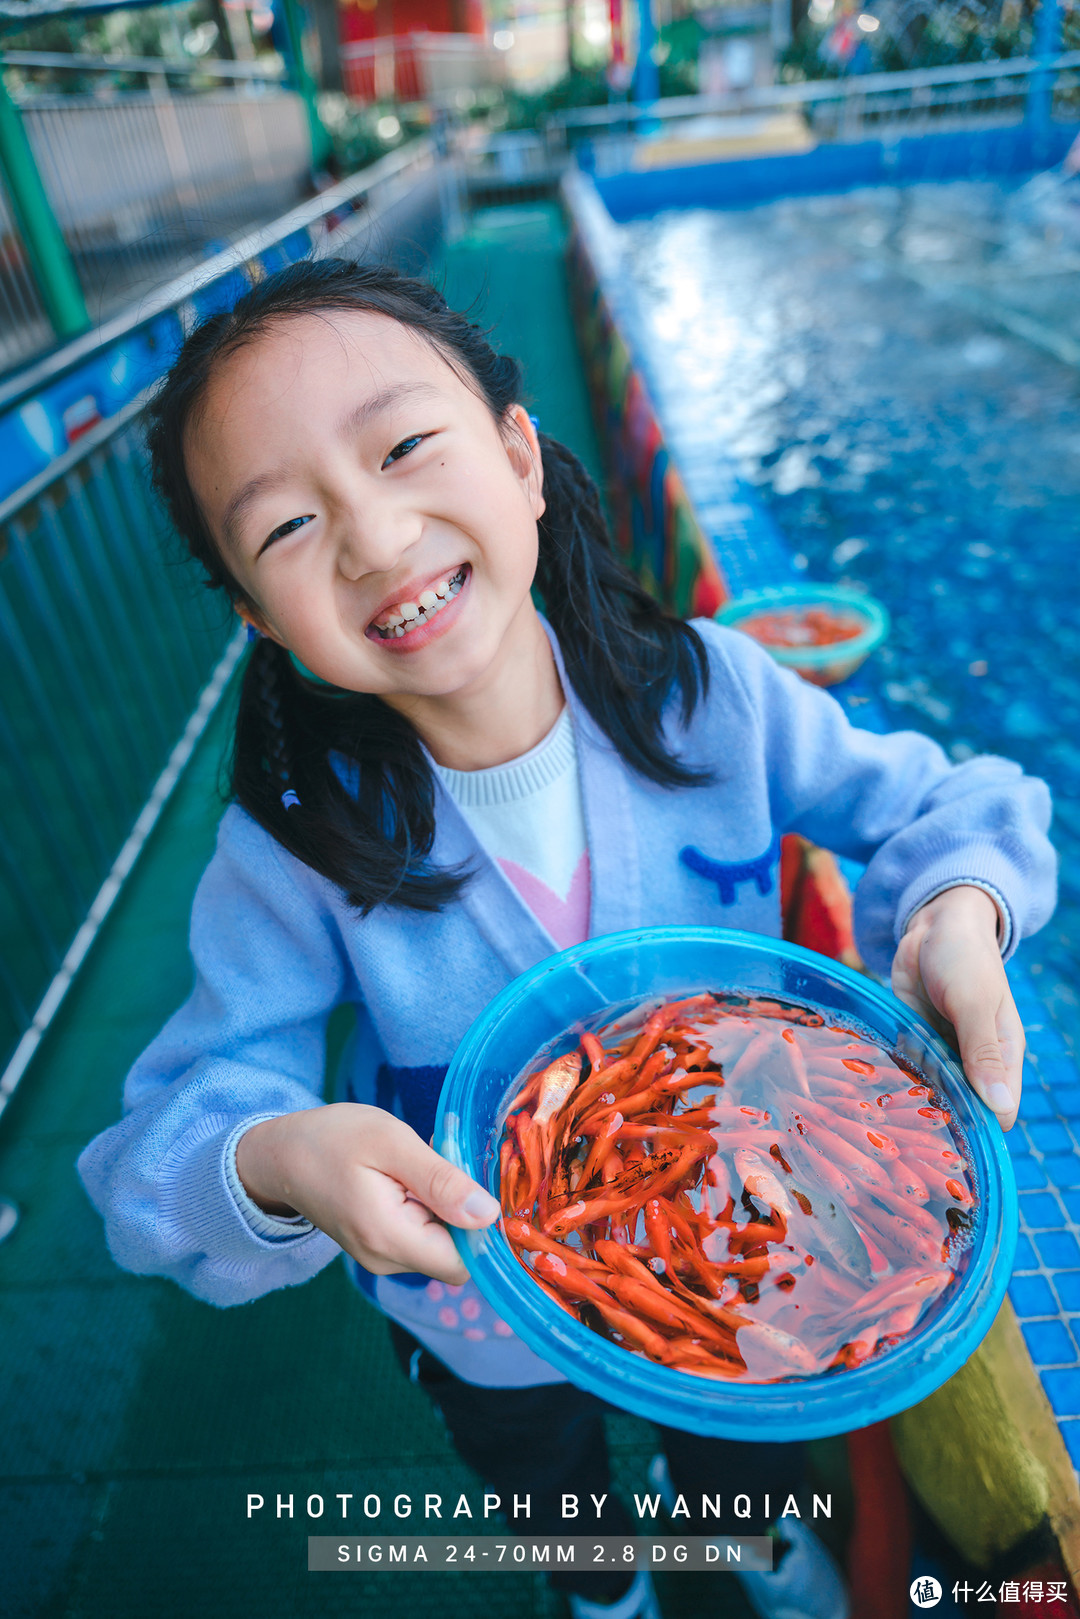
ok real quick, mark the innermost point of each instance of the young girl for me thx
(437, 786)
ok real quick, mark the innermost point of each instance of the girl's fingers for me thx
(1013, 1044)
(365, 1178)
(395, 1232)
(949, 970)
(417, 1242)
(991, 1041)
(920, 1002)
(447, 1191)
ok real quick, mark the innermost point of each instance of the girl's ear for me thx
(523, 448)
(254, 620)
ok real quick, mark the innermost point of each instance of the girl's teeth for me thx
(428, 604)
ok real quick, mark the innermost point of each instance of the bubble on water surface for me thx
(983, 351)
(1023, 719)
(795, 470)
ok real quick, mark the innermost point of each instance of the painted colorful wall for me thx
(655, 524)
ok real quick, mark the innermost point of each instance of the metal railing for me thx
(112, 653)
(103, 653)
(25, 328)
(836, 109)
(182, 71)
(419, 67)
(511, 159)
(145, 163)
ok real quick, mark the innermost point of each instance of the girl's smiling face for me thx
(378, 520)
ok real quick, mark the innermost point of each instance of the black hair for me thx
(625, 656)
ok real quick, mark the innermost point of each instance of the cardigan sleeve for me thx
(895, 803)
(248, 1044)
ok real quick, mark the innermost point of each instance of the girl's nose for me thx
(375, 542)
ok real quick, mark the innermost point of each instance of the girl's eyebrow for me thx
(384, 400)
(349, 424)
(245, 497)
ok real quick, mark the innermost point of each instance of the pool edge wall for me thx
(666, 527)
(836, 166)
(697, 534)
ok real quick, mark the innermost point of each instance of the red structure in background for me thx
(387, 44)
(620, 69)
(381, 19)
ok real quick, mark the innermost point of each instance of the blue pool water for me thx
(859, 357)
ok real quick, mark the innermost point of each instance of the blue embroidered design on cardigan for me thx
(727, 874)
(418, 1090)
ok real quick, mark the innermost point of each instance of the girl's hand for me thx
(367, 1180)
(949, 968)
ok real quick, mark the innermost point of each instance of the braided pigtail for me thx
(342, 781)
(625, 656)
(268, 662)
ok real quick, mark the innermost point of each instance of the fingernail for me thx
(480, 1205)
(1000, 1097)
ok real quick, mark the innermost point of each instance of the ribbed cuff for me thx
(196, 1206)
(1005, 927)
(272, 1227)
(983, 867)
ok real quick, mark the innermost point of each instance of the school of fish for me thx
(802, 626)
(736, 1188)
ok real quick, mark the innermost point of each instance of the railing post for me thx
(646, 73)
(1040, 101)
(321, 144)
(54, 272)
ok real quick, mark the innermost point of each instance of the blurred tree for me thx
(910, 34)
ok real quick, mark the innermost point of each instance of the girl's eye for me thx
(406, 446)
(285, 528)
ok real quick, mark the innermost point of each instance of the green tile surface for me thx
(508, 274)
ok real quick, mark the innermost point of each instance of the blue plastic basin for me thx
(547, 1009)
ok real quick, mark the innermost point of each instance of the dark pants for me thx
(549, 1441)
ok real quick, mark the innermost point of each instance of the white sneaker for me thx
(659, 1478)
(637, 1603)
(807, 1584)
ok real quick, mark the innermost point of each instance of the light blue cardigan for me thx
(276, 947)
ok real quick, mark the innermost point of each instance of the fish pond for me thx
(892, 368)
